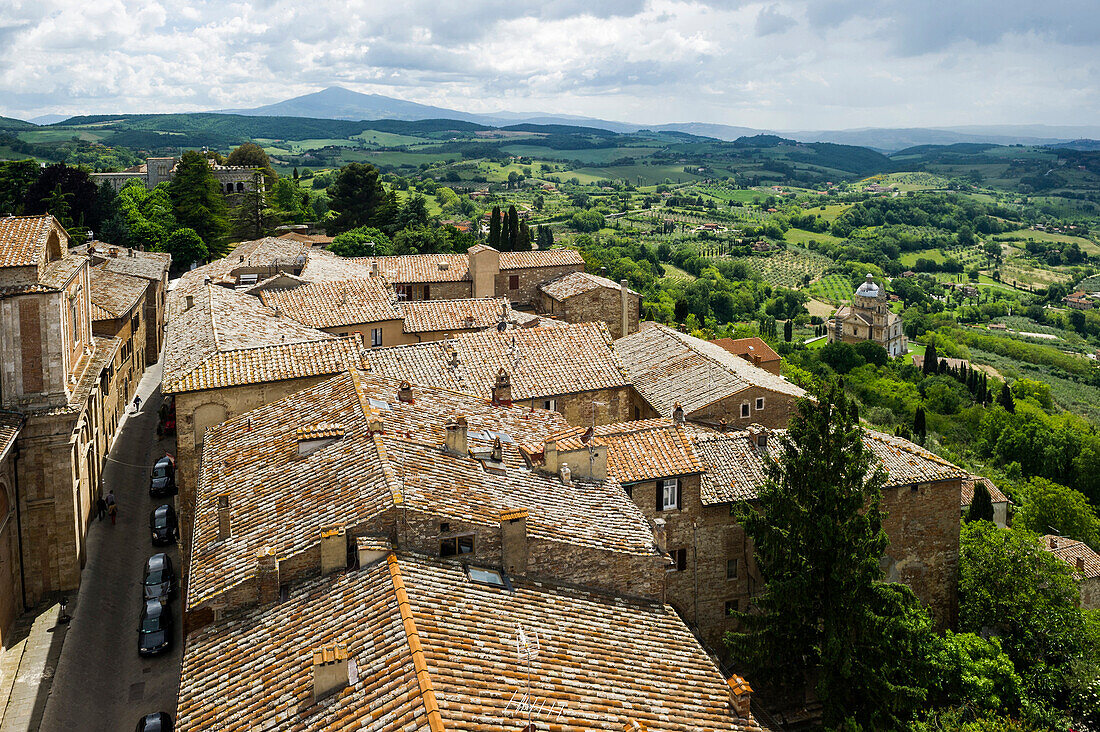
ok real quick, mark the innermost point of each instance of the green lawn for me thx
(798, 236)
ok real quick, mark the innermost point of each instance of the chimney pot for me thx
(740, 696)
(457, 437)
(374, 268)
(267, 575)
(678, 415)
(502, 389)
(498, 451)
(660, 535)
(1053, 543)
(334, 548)
(513, 541)
(550, 455)
(405, 392)
(566, 474)
(1080, 565)
(330, 670)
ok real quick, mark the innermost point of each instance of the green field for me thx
(798, 236)
(909, 259)
(787, 267)
(672, 272)
(649, 174)
(832, 287)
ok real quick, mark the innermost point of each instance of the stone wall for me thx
(621, 404)
(1090, 593)
(923, 526)
(526, 291)
(776, 412)
(11, 591)
(436, 290)
(601, 303)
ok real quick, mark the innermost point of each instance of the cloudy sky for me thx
(782, 65)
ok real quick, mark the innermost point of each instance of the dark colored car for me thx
(155, 628)
(159, 722)
(163, 481)
(160, 581)
(162, 523)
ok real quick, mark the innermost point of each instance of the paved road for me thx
(101, 683)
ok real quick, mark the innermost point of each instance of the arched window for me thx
(228, 187)
(240, 187)
(53, 247)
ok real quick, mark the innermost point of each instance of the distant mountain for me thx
(339, 103)
(894, 139)
(10, 123)
(1083, 145)
(49, 119)
(704, 129)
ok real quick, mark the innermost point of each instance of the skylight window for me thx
(485, 576)
(378, 404)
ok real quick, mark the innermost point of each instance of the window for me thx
(513, 282)
(759, 403)
(637, 412)
(485, 576)
(549, 404)
(732, 606)
(444, 527)
(744, 409)
(679, 560)
(456, 545)
(74, 322)
(376, 336)
(668, 494)
(731, 568)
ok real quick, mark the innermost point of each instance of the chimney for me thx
(550, 455)
(723, 425)
(456, 437)
(513, 541)
(405, 392)
(334, 548)
(497, 455)
(740, 696)
(759, 435)
(502, 389)
(376, 426)
(113, 252)
(660, 535)
(223, 517)
(1053, 542)
(566, 475)
(267, 575)
(374, 268)
(624, 296)
(371, 548)
(678, 415)
(1080, 565)
(330, 670)
(189, 302)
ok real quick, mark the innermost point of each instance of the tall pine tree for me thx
(919, 427)
(1005, 399)
(826, 617)
(494, 228)
(931, 363)
(198, 203)
(981, 506)
(513, 230)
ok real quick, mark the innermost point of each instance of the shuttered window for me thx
(668, 494)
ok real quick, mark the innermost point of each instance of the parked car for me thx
(155, 628)
(163, 480)
(163, 524)
(159, 722)
(160, 581)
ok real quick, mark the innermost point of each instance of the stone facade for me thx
(11, 584)
(754, 404)
(521, 286)
(617, 306)
(231, 179)
(869, 318)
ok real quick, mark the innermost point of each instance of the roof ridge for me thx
(420, 665)
(904, 444)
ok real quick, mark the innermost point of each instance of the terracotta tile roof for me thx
(57, 273)
(748, 346)
(1070, 551)
(10, 424)
(636, 451)
(90, 367)
(324, 266)
(430, 651)
(258, 253)
(315, 239)
(23, 239)
(113, 294)
(541, 362)
(228, 336)
(133, 262)
(669, 367)
(437, 316)
(358, 477)
(336, 303)
(968, 484)
(557, 257)
(577, 283)
(410, 268)
(735, 465)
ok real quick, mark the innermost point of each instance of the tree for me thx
(919, 427)
(253, 218)
(197, 201)
(16, 178)
(872, 352)
(494, 228)
(186, 248)
(544, 237)
(788, 330)
(513, 230)
(981, 505)
(359, 199)
(825, 612)
(842, 357)
(71, 192)
(251, 155)
(526, 240)
(365, 241)
(1005, 399)
(931, 362)
(1050, 508)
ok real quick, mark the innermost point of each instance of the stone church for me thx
(868, 318)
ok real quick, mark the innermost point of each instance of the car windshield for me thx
(160, 520)
(155, 577)
(150, 624)
(161, 471)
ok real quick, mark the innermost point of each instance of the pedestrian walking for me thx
(101, 507)
(112, 506)
(137, 403)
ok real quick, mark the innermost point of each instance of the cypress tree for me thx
(931, 363)
(919, 429)
(494, 228)
(513, 230)
(198, 203)
(1006, 400)
(788, 331)
(525, 239)
(981, 506)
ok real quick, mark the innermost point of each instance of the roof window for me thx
(313, 437)
(486, 576)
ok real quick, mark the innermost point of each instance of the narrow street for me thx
(101, 683)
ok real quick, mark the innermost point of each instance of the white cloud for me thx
(787, 64)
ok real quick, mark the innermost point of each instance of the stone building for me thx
(754, 350)
(118, 311)
(152, 267)
(711, 384)
(687, 478)
(999, 499)
(431, 470)
(868, 318)
(568, 368)
(231, 178)
(12, 600)
(54, 372)
(579, 297)
(1085, 564)
(405, 641)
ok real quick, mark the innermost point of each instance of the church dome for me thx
(868, 288)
